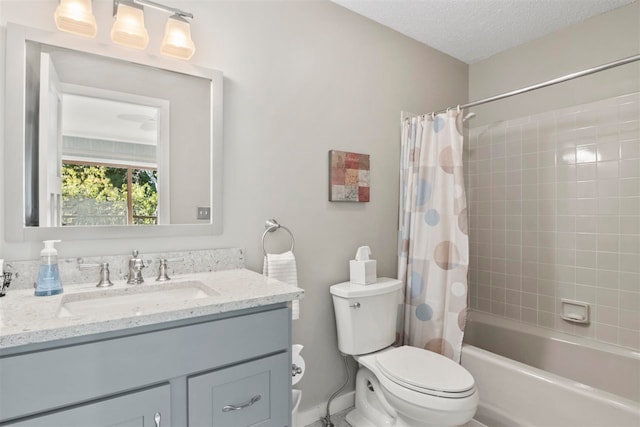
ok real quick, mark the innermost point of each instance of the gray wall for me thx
(301, 78)
(604, 38)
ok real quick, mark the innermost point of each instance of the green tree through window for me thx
(98, 194)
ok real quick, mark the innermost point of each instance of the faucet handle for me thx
(104, 272)
(162, 268)
(162, 271)
(104, 282)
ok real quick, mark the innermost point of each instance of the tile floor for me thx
(338, 420)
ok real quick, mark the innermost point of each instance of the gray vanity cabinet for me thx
(186, 371)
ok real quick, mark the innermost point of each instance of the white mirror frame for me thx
(14, 182)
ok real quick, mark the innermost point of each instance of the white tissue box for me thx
(362, 272)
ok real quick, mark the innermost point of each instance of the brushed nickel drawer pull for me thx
(253, 400)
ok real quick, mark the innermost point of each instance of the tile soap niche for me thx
(575, 311)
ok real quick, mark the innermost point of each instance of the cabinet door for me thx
(136, 409)
(255, 393)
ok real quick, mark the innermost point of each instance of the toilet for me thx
(396, 386)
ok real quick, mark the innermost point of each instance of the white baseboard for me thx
(311, 415)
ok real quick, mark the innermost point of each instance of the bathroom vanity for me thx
(206, 349)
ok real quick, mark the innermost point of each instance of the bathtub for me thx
(528, 376)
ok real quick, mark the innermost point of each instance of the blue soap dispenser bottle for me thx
(49, 276)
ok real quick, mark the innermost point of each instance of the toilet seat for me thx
(425, 372)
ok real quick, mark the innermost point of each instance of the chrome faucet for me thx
(135, 270)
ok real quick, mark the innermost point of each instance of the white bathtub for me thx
(533, 377)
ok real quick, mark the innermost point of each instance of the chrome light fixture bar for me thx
(162, 7)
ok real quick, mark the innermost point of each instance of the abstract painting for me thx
(349, 177)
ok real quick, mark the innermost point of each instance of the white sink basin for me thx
(134, 300)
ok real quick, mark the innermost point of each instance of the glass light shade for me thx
(177, 38)
(76, 17)
(129, 30)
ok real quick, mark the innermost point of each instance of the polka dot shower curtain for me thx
(433, 253)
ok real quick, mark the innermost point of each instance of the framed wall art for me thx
(349, 177)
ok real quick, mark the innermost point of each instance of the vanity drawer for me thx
(250, 394)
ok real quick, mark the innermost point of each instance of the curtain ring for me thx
(458, 108)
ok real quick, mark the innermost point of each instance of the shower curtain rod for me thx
(548, 83)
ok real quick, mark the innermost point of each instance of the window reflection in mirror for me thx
(109, 163)
(102, 194)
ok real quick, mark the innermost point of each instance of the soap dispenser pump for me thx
(49, 276)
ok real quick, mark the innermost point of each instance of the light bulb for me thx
(177, 38)
(129, 30)
(76, 17)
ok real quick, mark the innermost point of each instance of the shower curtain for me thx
(433, 247)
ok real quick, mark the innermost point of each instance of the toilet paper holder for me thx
(297, 364)
(295, 370)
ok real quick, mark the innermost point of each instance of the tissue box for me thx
(362, 272)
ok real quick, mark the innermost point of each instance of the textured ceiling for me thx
(471, 30)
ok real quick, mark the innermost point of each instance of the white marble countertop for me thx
(26, 319)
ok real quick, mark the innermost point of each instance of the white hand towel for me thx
(283, 267)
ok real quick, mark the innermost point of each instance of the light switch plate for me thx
(204, 212)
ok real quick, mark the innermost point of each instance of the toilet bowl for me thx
(437, 393)
(396, 386)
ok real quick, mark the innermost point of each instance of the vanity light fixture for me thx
(177, 40)
(76, 17)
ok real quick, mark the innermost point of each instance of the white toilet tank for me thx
(366, 315)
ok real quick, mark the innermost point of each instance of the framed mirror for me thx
(103, 142)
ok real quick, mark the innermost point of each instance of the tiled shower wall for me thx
(554, 213)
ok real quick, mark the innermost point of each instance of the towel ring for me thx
(272, 225)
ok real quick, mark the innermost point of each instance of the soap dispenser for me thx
(49, 276)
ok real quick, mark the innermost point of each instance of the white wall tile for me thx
(560, 218)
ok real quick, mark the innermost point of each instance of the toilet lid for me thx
(425, 371)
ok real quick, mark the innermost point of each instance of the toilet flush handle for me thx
(355, 305)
